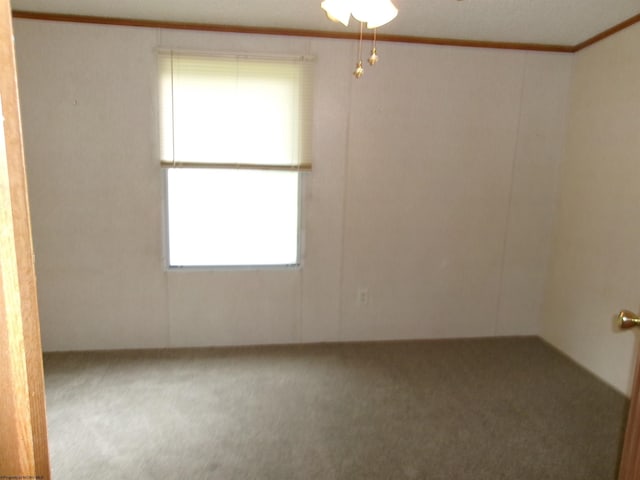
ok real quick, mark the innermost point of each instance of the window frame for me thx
(204, 268)
(300, 174)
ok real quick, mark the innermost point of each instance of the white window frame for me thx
(262, 266)
(299, 169)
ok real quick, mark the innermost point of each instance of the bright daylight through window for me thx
(234, 139)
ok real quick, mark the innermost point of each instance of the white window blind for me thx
(231, 111)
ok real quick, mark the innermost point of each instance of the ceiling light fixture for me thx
(374, 13)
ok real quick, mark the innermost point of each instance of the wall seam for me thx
(505, 240)
(344, 215)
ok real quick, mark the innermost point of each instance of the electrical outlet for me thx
(362, 296)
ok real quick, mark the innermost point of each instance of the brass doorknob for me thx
(627, 319)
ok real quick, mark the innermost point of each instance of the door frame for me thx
(23, 427)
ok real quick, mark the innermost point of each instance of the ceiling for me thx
(553, 22)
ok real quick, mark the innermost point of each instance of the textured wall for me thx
(433, 188)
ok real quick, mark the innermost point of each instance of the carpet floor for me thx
(502, 408)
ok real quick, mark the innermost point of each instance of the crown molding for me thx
(607, 33)
(130, 22)
(207, 27)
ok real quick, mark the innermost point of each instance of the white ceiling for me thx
(558, 22)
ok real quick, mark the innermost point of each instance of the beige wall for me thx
(433, 187)
(596, 255)
(449, 207)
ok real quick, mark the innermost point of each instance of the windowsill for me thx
(232, 268)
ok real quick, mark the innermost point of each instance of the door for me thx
(23, 428)
(630, 462)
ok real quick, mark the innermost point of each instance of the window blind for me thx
(232, 111)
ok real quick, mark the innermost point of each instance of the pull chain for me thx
(359, 70)
(373, 58)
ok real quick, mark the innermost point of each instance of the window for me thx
(234, 139)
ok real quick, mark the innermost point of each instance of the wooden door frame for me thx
(24, 451)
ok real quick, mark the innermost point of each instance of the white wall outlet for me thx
(362, 297)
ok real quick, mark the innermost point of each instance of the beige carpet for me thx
(461, 409)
